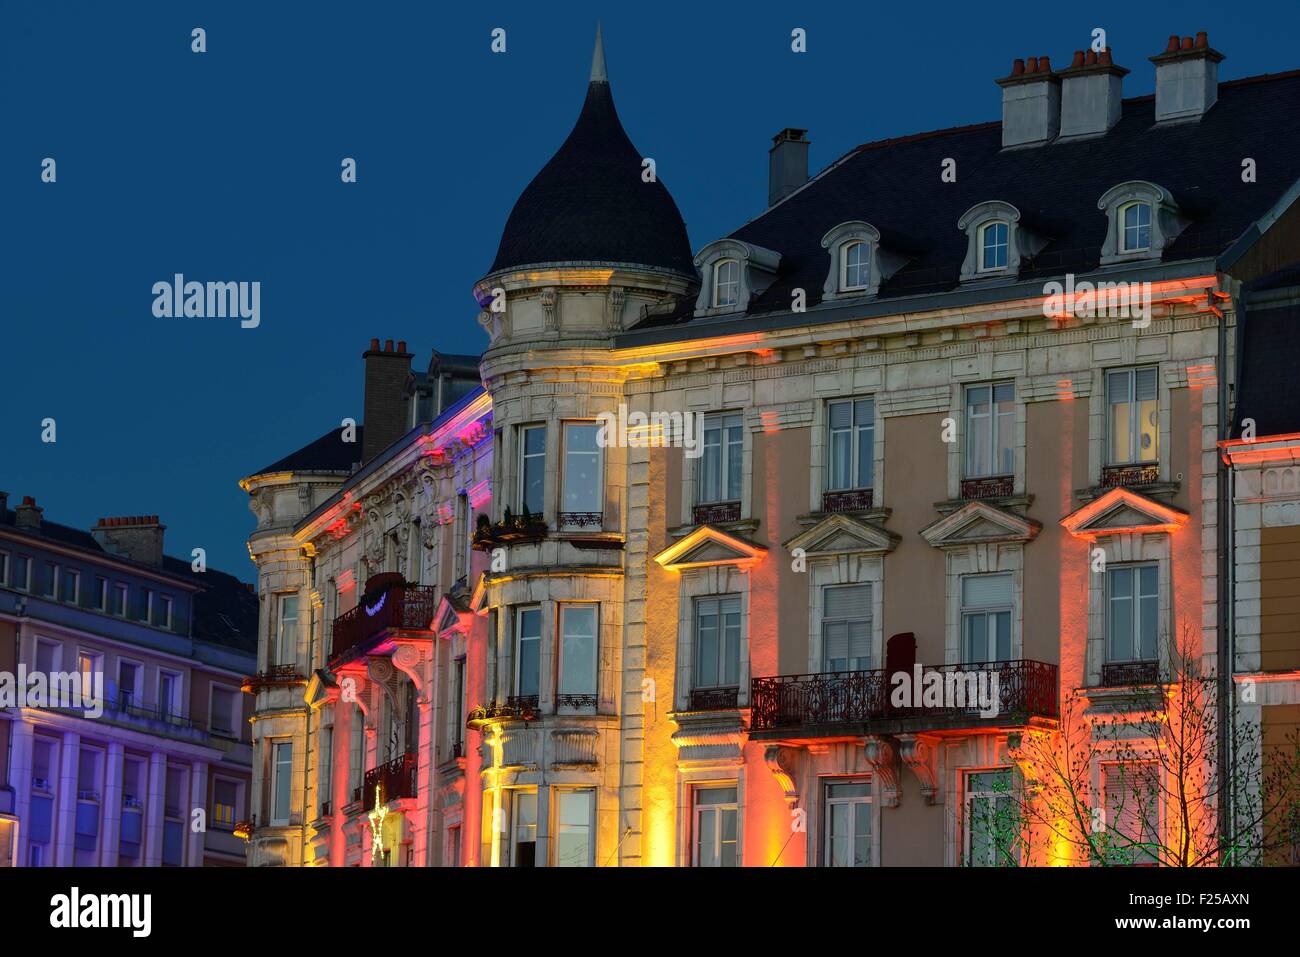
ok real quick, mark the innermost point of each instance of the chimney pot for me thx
(1044, 64)
(388, 345)
(29, 500)
(401, 345)
(374, 345)
(1018, 67)
(1187, 43)
(1104, 57)
(1031, 65)
(1187, 78)
(1172, 46)
(1091, 96)
(1090, 59)
(1202, 40)
(1078, 59)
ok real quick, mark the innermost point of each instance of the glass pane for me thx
(847, 601)
(706, 645)
(1121, 614)
(728, 835)
(835, 643)
(711, 470)
(861, 834)
(707, 796)
(839, 835)
(1003, 622)
(855, 789)
(578, 651)
(840, 413)
(731, 661)
(977, 643)
(734, 446)
(1148, 430)
(573, 843)
(582, 479)
(841, 459)
(707, 839)
(866, 455)
(530, 625)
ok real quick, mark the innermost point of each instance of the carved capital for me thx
(549, 318)
(883, 759)
(920, 752)
(782, 762)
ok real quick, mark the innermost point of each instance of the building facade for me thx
(145, 758)
(951, 409)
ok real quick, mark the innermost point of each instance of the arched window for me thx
(855, 257)
(994, 246)
(1135, 227)
(726, 283)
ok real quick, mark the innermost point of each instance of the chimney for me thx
(4, 508)
(384, 411)
(1031, 103)
(1091, 92)
(1187, 78)
(787, 164)
(138, 537)
(28, 514)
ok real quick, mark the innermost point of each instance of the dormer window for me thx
(732, 272)
(726, 283)
(858, 262)
(993, 246)
(1136, 220)
(856, 265)
(1142, 221)
(996, 241)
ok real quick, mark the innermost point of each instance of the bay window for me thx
(583, 483)
(574, 831)
(528, 644)
(578, 645)
(532, 469)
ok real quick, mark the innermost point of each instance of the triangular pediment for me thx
(978, 522)
(1122, 510)
(452, 617)
(708, 546)
(320, 690)
(842, 535)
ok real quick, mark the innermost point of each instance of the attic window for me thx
(858, 263)
(996, 241)
(1142, 220)
(732, 272)
(726, 283)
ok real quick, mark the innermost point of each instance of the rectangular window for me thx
(225, 800)
(223, 710)
(848, 824)
(101, 593)
(119, 600)
(719, 467)
(1132, 794)
(281, 768)
(851, 442)
(1133, 612)
(169, 694)
(286, 646)
(325, 776)
(1132, 416)
(993, 246)
(147, 602)
(160, 614)
(717, 838)
(458, 692)
(128, 683)
(49, 579)
(992, 824)
(70, 586)
(22, 573)
(463, 534)
(1137, 227)
(846, 628)
(578, 649)
(4, 568)
(532, 469)
(89, 664)
(528, 650)
(986, 618)
(523, 829)
(584, 483)
(574, 812)
(990, 429)
(717, 642)
(48, 654)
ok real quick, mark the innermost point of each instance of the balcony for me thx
(274, 676)
(717, 513)
(395, 780)
(513, 529)
(516, 708)
(396, 607)
(848, 500)
(1114, 476)
(858, 702)
(992, 486)
(1125, 674)
(714, 699)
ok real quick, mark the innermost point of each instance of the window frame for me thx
(846, 248)
(519, 612)
(215, 817)
(234, 692)
(563, 669)
(722, 423)
(718, 283)
(698, 811)
(50, 582)
(597, 505)
(1135, 613)
(855, 444)
(987, 612)
(282, 600)
(868, 619)
(969, 796)
(558, 795)
(982, 247)
(1135, 421)
(697, 645)
(73, 575)
(827, 800)
(994, 429)
(280, 772)
(523, 461)
(1123, 227)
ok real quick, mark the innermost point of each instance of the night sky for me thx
(225, 166)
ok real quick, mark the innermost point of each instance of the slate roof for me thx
(895, 185)
(329, 453)
(589, 203)
(1271, 334)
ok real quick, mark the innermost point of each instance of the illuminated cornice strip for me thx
(744, 553)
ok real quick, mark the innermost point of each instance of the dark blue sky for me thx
(225, 166)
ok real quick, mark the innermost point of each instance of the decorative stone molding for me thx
(409, 659)
(920, 753)
(707, 546)
(574, 748)
(842, 535)
(757, 271)
(880, 754)
(550, 312)
(1121, 510)
(978, 523)
(614, 300)
(782, 763)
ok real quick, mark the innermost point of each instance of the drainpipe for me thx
(1224, 639)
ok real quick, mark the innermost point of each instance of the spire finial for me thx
(598, 74)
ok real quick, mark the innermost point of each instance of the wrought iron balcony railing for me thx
(402, 607)
(848, 500)
(1121, 674)
(992, 486)
(714, 699)
(813, 702)
(1113, 476)
(271, 677)
(395, 780)
(717, 513)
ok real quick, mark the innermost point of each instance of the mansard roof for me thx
(895, 185)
